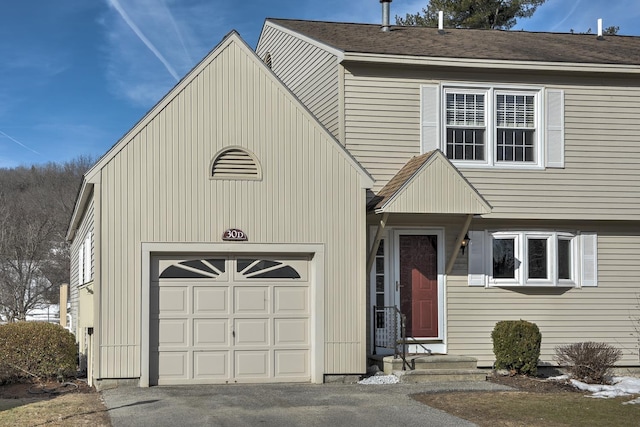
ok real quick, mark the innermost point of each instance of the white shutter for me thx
(588, 259)
(80, 265)
(477, 259)
(554, 135)
(87, 258)
(430, 100)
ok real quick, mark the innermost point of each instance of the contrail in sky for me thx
(573, 9)
(116, 5)
(177, 30)
(19, 143)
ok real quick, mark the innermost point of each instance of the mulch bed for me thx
(533, 384)
(43, 390)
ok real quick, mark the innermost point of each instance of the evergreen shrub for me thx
(36, 350)
(516, 345)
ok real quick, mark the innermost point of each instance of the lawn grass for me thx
(510, 409)
(78, 409)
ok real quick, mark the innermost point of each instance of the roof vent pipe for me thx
(386, 6)
(441, 22)
(600, 29)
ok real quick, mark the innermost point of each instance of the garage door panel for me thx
(251, 332)
(291, 332)
(251, 300)
(173, 333)
(210, 332)
(291, 300)
(252, 364)
(173, 299)
(291, 363)
(211, 364)
(173, 364)
(211, 299)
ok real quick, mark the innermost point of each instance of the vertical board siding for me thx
(602, 314)
(600, 180)
(308, 71)
(157, 190)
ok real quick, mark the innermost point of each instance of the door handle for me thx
(397, 286)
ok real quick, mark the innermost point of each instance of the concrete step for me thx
(430, 362)
(441, 375)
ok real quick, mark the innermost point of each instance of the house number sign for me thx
(235, 235)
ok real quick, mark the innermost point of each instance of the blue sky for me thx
(76, 75)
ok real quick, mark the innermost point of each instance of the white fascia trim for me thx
(339, 54)
(79, 209)
(493, 64)
(317, 265)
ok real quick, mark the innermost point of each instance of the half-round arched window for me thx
(235, 163)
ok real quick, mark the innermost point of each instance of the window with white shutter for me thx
(496, 126)
(532, 258)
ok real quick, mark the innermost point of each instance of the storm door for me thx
(418, 284)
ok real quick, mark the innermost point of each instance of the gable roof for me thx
(429, 183)
(92, 176)
(475, 44)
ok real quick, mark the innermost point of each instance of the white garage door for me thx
(235, 319)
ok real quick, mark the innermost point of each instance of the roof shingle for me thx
(471, 43)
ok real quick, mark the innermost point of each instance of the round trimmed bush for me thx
(37, 350)
(516, 345)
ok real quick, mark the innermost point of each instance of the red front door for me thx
(419, 284)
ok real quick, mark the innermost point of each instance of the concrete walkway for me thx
(282, 405)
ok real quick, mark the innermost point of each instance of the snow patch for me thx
(620, 386)
(380, 379)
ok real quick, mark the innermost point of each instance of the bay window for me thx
(532, 258)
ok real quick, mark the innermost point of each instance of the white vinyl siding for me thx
(309, 71)
(564, 315)
(81, 260)
(310, 192)
(382, 122)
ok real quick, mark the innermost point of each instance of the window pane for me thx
(380, 300)
(379, 265)
(381, 248)
(504, 262)
(465, 144)
(537, 258)
(515, 111)
(465, 109)
(515, 145)
(380, 284)
(465, 120)
(564, 259)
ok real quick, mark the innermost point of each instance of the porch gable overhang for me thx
(429, 184)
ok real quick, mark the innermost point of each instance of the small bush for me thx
(590, 362)
(516, 345)
(36, 350)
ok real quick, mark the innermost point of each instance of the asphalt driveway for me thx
(281, 405)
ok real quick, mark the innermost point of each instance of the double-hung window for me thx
(491, 126)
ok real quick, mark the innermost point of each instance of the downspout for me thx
(456, 247)
(376, 242)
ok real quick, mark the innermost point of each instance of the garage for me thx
(227, 319)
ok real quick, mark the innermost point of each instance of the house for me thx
(266, 219)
